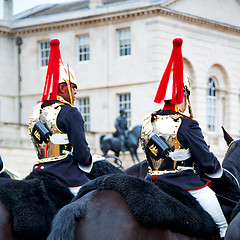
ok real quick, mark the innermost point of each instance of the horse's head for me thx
(232, 144)
(233, 147)
(231, 160)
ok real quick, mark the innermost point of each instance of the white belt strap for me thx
(180, 154)
(164, 172)
(59, 138)
(178, 170)
(182, 168)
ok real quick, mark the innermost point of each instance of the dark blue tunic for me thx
(66, 171)
(190, 136)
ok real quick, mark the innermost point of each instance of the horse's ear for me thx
(227, 137)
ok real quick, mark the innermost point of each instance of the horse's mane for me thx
(231, 159)
(236, 210)
(157, 205)
(227, 185)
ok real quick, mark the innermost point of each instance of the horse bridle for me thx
(117, 158)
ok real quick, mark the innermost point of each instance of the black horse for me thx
(105, 200)
(109, 142)
(104, 214)
(233, 231)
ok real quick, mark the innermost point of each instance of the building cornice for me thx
(199, 20)
(6, 31)
(143, 12)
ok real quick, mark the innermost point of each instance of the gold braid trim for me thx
(62, 100)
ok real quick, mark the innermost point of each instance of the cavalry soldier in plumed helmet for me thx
(122, 128)
(173, 141)
(57, 127)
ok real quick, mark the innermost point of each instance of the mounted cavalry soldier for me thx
(57, 127)
(173, 141)
(122, 128)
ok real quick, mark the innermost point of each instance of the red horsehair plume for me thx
(52, 77)
(175, 64)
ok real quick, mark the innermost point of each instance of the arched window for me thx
(211, 106)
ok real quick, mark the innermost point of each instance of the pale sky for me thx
(22, 5)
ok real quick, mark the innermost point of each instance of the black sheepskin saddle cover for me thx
(33, 203)
(101, 168)
(157, 204)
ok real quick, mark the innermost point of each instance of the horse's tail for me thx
(101, 139)
(64, 221)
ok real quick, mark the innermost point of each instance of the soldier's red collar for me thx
(62, 100)
(175, 108)
(172, 107)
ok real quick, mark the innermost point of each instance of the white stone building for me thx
(119, 50)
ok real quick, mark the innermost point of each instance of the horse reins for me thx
(232, 202)
(119, 164)
(224, 169)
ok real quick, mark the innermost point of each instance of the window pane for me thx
(124, 42)
(44, 51)
(84, 108)
(124, 100)
(83, 48)
(211, 106)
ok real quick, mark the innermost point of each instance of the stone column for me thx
(95, 3)
(8, 9)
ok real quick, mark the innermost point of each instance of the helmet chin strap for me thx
(186, 109)
(70, 95)
(69, 87)
(188, 105)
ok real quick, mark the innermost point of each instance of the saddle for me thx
(101, 168)
(35, 200)
(164, 205)
(33, 203)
